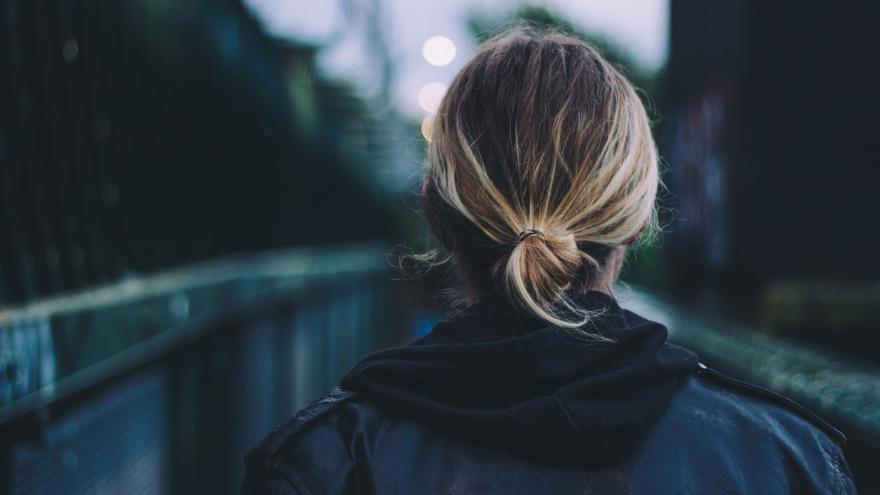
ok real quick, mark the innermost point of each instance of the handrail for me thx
(283, 263)
(150, 316)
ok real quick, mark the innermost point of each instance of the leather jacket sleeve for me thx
(279, 463)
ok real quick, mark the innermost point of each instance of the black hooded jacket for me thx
(492, 401)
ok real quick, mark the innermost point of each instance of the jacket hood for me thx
(495, 375)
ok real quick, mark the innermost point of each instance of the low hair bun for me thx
(540, 268)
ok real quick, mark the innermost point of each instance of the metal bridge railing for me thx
(161, 383)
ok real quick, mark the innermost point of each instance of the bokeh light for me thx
(438, 50)
(431, 95)
(427, 127)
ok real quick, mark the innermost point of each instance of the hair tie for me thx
(525, 234)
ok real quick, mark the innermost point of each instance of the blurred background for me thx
(200, 201)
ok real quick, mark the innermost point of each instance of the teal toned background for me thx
(202, 206)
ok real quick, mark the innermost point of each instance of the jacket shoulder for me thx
(790, 405)
(748, 438)
(269, 452)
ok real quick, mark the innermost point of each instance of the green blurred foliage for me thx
(483, 25)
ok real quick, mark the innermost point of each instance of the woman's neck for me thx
(601, 280)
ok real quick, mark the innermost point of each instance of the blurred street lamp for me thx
(438, 50)
(427, 127)
(431, 95)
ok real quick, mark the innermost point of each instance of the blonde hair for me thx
(540, 161)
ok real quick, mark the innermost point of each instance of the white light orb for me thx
(438, 50)
(427, 127)
(431, 95)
